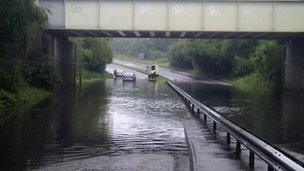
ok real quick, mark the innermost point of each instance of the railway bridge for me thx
(194, 19)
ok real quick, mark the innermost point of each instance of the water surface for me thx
(108, 118)
(277, 118)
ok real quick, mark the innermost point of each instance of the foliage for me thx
(254, 83)
(39, 70)
(260, 61)
(178, 55)
(24, 61)
(268, 60)
(88, 75)
(242, 66)
(141, 48)
(19, 21)
(93, 53)
(23, 96)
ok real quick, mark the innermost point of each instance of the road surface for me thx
(170, 74)
(111, 67)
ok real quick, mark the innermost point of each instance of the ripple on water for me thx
(129, 118)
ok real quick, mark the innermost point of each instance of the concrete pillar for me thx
(64, 53)
(294, 66)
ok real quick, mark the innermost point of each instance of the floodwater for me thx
(104, 118)
(277, 119)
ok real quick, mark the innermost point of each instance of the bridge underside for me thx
(175, 34)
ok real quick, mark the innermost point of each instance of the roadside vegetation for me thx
(27, 70)
(250, 65)
(92, 55)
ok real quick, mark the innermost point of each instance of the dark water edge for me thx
(277, 118)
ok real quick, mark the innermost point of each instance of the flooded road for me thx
(277, 119)
(104, 118)
(171, 74)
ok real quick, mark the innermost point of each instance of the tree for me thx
(93, 53)
(268, 60)
(20, 21)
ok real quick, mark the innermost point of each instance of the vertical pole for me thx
(228, 139)
(64, 13)
(238, 148)
(251, 159)
(198, 112)
(80, 74)
(192, 109)
(205, 117)
(214, 126)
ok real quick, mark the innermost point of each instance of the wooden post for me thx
(198, 112)
(238, 148)
(192, 109)
(251, 159)
(228, 139)
(214, 126)
(270, 168)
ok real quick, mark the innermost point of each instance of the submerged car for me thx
(129, 76)
(118, 73)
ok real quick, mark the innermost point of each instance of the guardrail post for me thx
(198, 112)
(270, 168)
(251, 159)
(192, 108)
(228, 139)
(247, 139)
(214, 126)
(238, 148)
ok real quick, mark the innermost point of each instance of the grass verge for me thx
(25, 98)
(89, 77)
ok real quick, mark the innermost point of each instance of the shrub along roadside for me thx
(26, 68)
(12, 102)
(254, 83)
(24, 96)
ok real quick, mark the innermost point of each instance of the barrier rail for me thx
(275, 159)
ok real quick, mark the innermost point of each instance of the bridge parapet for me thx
(168, 16)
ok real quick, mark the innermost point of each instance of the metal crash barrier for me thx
(275, 159)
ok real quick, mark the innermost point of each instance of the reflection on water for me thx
(103, 118)
(278, 120)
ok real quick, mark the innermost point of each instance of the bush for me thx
(93, 53)
(22, 97)
(179, 57)
(39, 70)
(242, 66)
(254, 83)
(268, 60)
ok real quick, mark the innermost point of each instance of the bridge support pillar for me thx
(64, 53)
(294, 67)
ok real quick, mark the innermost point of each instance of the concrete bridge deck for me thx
(267, 19)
